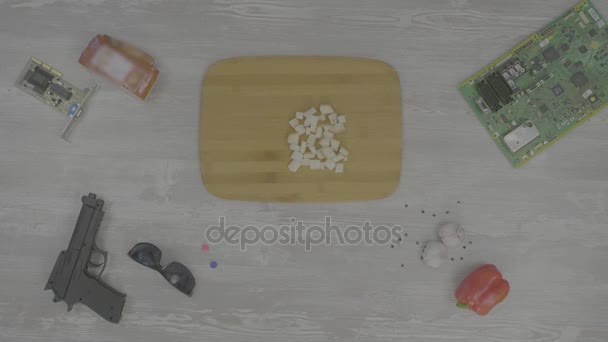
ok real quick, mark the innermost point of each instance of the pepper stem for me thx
(462, 305)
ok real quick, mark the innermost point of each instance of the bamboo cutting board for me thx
(247, 102)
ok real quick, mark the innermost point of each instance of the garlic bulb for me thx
(434, 253)
(451, 234)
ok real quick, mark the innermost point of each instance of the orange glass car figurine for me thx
(121, 63)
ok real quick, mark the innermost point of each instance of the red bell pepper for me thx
(483, 289)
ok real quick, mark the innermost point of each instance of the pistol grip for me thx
(102, 299)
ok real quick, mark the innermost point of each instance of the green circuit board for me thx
(47, 85)
(545, 86)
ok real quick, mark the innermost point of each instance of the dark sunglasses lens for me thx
(179, 276)
(146, 254)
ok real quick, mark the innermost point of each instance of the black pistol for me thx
(76, 275)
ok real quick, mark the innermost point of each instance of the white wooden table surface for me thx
(545, 225)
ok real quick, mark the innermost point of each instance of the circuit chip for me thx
(579, 79)
(61, 92)
(583, 49)
(39, 79)
(557, 90)
(521, 136)
(504, 119)
(551, 54)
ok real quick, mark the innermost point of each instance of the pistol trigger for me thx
(98, 259)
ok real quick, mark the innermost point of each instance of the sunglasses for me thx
(176, 273)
